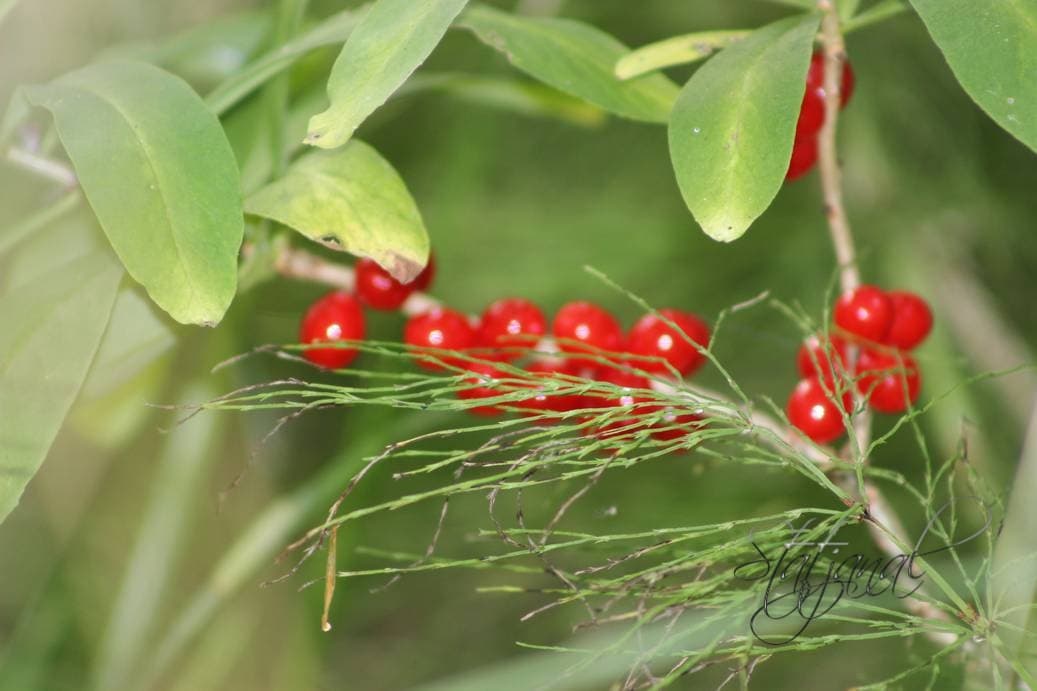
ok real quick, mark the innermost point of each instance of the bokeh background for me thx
(942, 202)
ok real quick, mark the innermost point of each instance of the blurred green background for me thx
(942, 202)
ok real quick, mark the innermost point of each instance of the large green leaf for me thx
(575, 58)
(52, 328)
(136, 336)
(350, 199)
(732, 128)
(158, 171)
(392, 41)
(991, 45)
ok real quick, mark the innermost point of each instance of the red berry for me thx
(335, 317)
(653, 337)
(890, 382)
(582, 327)
(479, 387)
(377, 289)
(912, 320)
(424, 279)
(542, 401)
(812, 111)
(442, 329)
(804, 156)
(511, 323)
(866, 312)
(813, 412)
(815, 358)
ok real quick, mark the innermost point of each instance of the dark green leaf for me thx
(575, 58)
(158, 171)
(351, 199)
(991, 45)
(392, 41)
(52, 328)
(732, 128)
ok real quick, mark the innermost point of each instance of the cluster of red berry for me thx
(812, 115)
(585, 336)
(883, 327)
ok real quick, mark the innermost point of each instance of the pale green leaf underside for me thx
(678, 50)
(391, 41)
(575, 58)
(351, 199)
(157, 170)
(991, 45)
(52, 328)
(732, 127)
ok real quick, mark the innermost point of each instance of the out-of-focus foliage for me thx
(941, 201)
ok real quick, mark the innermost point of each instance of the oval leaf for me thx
(575, 58)
(157, 169)
(991, 46)
(52, 328)
(732, 128)
(391, 41)
(353, 200)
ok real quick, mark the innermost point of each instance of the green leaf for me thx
(574, 58)
(351, 199)
(392, 41)
(137, 335)
(991, 46)
(732, 128)
(332, 31)
(52, 328)
(157, 169)
(678, 50)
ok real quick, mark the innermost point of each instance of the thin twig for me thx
(43, 167)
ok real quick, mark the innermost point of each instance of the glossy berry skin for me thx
(582, 327)
(812, 111)
(912, 320)
(443, 329)
(813, 413)
(865, 312)
(804, 157)
(511, 323)
(335, 317)
(478, 387)
(425, 278)
(377, 289)
(890, 382)
(817, 356)
(651, 336)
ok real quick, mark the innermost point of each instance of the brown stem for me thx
(881, 513)
(828, 159)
